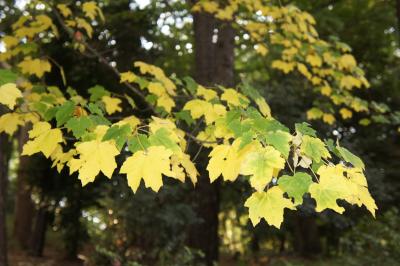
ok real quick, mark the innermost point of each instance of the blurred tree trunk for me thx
(38, 235)
(214, 60)
(5, 152)
(24, 207)
(307, 239)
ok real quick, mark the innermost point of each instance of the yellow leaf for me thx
(328, 118)
(331, 187)
(94, 156)
(9, 93)
(111, 104)
(303, 70)
(314, 60)
(64, 9)
(226, 160)
(9, 123)
(261, 49)
(269, 205)
(10, 41)
(347, 61)
(235, 98)
(60, 158)
(346, 113)
(127, 77)
(132, 120)
(91, 10)
(148, 165)
(43, 139)
(207, 94)
(166, 102)
(286, 67)
(263, 107)
(34, 66)
(82, 23)
(314, 113)
(260, 164)
(326, 90)
(211, 112)
(349, 82)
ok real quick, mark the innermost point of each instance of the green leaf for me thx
(162, 138)
(184, 115)
(99, 120)
(97, 92)
(191, 85)
(65, 112)
(50, 113)
(119, 134)
(305, 129)
(95, 109)
(268, 124)
(295, 186)
(138, 142)
(314, 148)
(350, 157)
(280, 140)
(130, 101)
(7, 76)
(79, 125)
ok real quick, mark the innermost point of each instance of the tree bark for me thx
(24, 207)
(5, 148)
(306, 233)
(39, 232)
(214, 64)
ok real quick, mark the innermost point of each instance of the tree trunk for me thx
(39, 232)
(307, 242)
(24, 207)
(214, 60)
(5, 148)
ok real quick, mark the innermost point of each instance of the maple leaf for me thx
(347, 61)
(314, 113)
(94, 156)
(207, 94)
(331, 187)
(359, 191)
(263, 106)
(64, 9)
(43, 139)
(314, 148)
(260, 164)
(127, 77)
(314, 60)
(280, 140)
(295, 186)
(328, 118)
(286, 67)
(91, 10)
(111, 104)
(9, 123)
(269, 205)
(211, 112)
(226, 160)
(346, 113)
(141, 165)
(235, 98)
(350, 157)
(34, 66)
(9, 93)
(60, 158)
